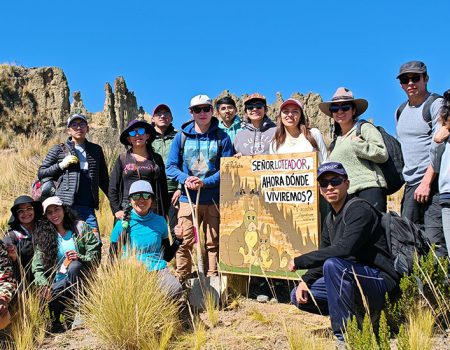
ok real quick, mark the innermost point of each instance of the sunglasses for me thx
(257, 105)
(76, 125)
(405, 80)
(137, 196)
(344, 108)
(198, 110)
(133, 133)
(24, 210)
(335, 181)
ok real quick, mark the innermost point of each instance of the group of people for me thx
(151, 184)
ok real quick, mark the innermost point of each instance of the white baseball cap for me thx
(200, 100)
(51, 201)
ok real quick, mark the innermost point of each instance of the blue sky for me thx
(169, 51)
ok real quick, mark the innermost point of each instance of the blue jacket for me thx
(200, 158)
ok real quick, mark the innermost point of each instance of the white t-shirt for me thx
(301, 144)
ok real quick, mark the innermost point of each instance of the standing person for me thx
(139, 162)
(361, 154)
(417, 122)
(293, 134)
(8, 285)
(258, 131)
(165, 133)
(147, 237)
(66, 249)
(80, 168)
(229, 120)
(440, 160)
(194, 161)
(26, 213)
(353, 252)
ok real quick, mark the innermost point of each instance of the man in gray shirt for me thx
(416, 123)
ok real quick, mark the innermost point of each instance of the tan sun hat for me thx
(343, 94)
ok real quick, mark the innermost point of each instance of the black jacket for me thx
(360, 238)
(118, 190)
(70, 177)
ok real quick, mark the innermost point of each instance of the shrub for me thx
(124, 305)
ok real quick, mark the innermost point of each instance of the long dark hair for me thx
(445, 110)
(46, 237)
(303, 125)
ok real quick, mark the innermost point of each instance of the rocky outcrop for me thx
(32, 99)
(77, 105)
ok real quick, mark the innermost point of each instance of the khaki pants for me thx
(208, 221)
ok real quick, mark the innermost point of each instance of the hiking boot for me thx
(57, 327)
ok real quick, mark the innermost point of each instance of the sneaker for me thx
(57, 327)
(77, 321)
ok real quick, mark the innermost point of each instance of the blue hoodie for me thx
(200, 158)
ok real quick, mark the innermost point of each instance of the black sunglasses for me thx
(76, 125)
(336, 108)
(137, 196)
(133, 133)
(405, 80)
(198, 110)
(335, 181)
(257, 105)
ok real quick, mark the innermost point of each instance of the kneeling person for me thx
(147, 235)
(351, 248)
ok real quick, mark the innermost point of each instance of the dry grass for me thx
(125, 307)
(258, 316)
(420, 330)
(211, 308)
(29, 323)
(299, 339)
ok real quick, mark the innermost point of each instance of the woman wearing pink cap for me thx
(293, 134)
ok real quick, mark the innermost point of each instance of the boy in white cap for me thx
(194, 161)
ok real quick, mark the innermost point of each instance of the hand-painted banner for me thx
(268, 213)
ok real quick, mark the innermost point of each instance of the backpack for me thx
(426, 110)
(404, 239)
(392, 169)
(45, 188)
(183, 141)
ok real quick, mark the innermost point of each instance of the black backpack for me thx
(405, 240)
(392, 169)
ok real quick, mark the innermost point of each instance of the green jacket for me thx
(161, 145)
(88, 248)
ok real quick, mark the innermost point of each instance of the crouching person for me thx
(65, 250)
(351, 248)
(147, 236)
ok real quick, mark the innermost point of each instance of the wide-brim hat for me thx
(149, 129)
(26, 200)
(343, 94)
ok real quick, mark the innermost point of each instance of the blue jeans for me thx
(337, 293)
(87, 214)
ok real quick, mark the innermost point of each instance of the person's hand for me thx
(291, 266)
(3, 307)
(238, 155)
(68, 160)
(193, 183)
(72, 255)
(422, 193)
(442, 134)
(119, 215)
(301, 293)
(12, 251)
(175, 197)
(178, 230)
(46, 293)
